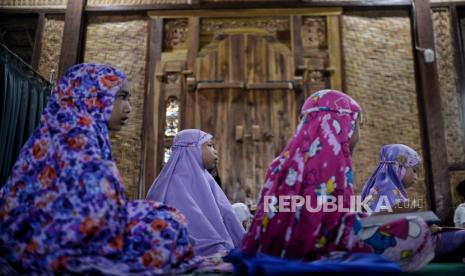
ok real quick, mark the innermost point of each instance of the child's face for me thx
(209, 155)
(356, 135)
(410, 177)
(121, 109)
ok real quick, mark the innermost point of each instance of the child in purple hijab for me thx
(185, 184)
(396, 171)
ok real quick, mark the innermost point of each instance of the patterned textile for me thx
(316, 164)
(63, 207)
(386, 180)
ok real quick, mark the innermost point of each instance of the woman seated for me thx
(186, 184)
(63, 208)
(315, 168)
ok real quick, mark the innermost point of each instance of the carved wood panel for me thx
(239, 81)
(250, 124)
(175, 34)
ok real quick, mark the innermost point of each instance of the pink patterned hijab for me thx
(316, 164)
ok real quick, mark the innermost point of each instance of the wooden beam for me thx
(250, 12)
(367, 3)
(195, 5)
(459, 56)
(430, 109)
(457, 167)
(264, 4)
(193, 42)
(152, 145)
(296, 44)
(38, 41)
(446, 4)
(343, 58)
(220, 85)
(38, 10)
(124, 9)
(270, 85)
(187, 119)
(132, 8)
(335, 49)
(72, 35)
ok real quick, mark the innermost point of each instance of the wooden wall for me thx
(451, 99)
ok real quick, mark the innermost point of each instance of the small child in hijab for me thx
(186, 184)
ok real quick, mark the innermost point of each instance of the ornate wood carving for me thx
(245, 98)
(236, 78)
(271, 24)
(175, 34)
(314, 32)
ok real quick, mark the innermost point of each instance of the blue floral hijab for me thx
(63, 207)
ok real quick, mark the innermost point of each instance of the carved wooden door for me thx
(245, 97)
(243, 79)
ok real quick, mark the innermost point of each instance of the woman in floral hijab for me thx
(63, 208)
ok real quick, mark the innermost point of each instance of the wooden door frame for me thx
(430, 111)
(457, 12)
(153, 160)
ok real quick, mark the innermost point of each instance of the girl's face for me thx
(410, 177)
(121, 109)
(356, 135)
(209, 155)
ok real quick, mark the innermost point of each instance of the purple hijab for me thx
(185, 184)
(386, 180)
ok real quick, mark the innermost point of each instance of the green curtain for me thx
(23, 95)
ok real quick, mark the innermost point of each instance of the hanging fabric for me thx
(23, 95)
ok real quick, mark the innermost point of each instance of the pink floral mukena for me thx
(315, 164)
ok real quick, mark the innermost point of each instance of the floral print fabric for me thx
(63, 207)
(386, 180)
(315, 164)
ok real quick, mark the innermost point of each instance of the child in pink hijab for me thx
(317, 164)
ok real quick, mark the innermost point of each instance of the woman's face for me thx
(356, 135)
(410, 177)
(209, 155)
(121, 109)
